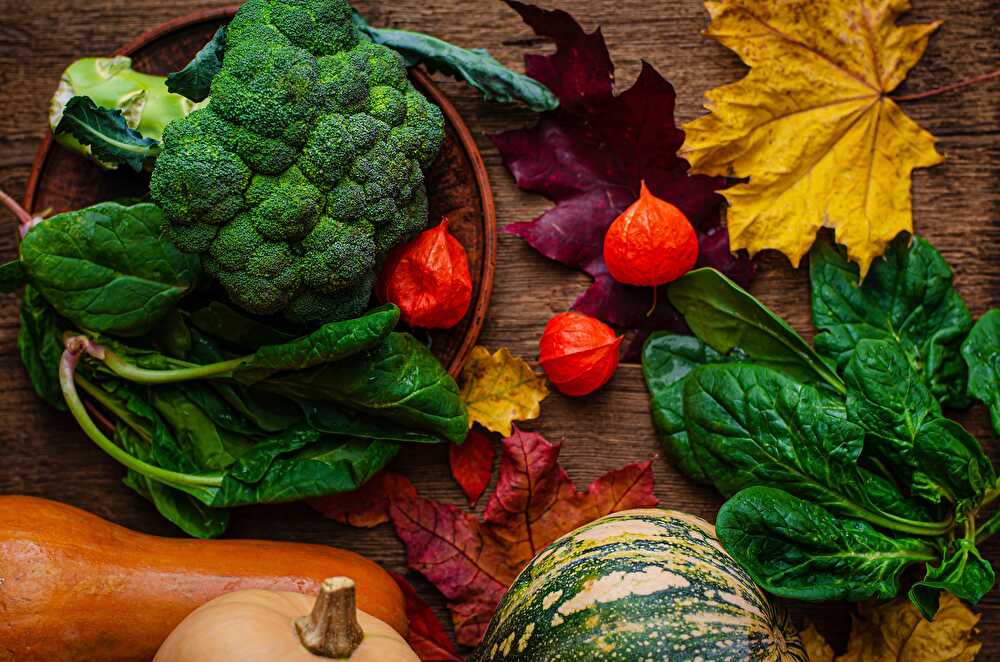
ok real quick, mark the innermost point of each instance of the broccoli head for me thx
(305, 167)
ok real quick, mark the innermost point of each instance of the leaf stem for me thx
(895, 523)
(991, 526)
(134, 373)
(944, 89)
(75, 347)
(25, 221)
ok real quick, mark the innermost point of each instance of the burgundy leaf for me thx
(590, 155)
(472, 464)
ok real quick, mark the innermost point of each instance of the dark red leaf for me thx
(472, 464)
(367, 506)
(428, 638)
(471, 562)
(591, 154)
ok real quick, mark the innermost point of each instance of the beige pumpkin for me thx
(259, 626)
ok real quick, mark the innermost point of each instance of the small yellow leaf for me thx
(896, 631)
(812, 126)
(500, 388)
(817, 649)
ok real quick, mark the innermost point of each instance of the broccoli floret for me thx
(305, 168)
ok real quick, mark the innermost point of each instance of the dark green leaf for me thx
(327, 467)
(106, 132)
(330, 343)
(172, 335)
(195, 80)
(190, 515)
(107, 268)
(223, 322)
(981, 351)
(962, 572)
(253, 465)
(198, 437)
(330, 419)
(906, 429)
(725, 316)
(796, 549)
(666, 360)
(475, 66)
(400, 380)
(751, 425)
(12, 276)
(907, 298)
(40, 344)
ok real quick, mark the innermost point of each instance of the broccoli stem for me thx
(75, 347)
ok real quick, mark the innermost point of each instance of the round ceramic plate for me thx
(457, 183)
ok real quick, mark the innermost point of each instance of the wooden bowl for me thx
(457, 183)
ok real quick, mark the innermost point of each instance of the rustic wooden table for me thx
(956, 206)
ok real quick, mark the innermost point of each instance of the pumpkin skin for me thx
(638, 585)
(257, 626)
(77, 588)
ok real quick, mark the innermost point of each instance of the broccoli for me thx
(305, 167)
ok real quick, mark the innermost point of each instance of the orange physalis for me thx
(428, 278)
(651, 243)
(578, 353)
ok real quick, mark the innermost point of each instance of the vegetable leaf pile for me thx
(812, 124)
(591, 155)
(473, 561)
(839, 464)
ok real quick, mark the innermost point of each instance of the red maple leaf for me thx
(471, 562)
(591, 154)
(427, 636)
(367, 506)
(472, 464)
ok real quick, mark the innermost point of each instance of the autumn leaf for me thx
(590, 156)
(817, 649)
(367, 506)
(896, 631)
(472, 464)
(812, 125)
(473, 562)
(427, 636)
(500, 388)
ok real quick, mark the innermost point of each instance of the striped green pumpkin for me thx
(635, 586)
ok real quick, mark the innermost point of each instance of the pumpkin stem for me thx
(332, 629)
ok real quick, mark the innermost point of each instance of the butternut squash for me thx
(78, 588)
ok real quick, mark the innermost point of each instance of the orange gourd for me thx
(263, 626)
(77, 588)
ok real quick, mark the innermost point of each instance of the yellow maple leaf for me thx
(811, 124)
(500, 388)
(896, 631)
(815, 645)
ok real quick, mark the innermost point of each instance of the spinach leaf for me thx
(107, 268)
(400, 380)
(105, 130)
(197, 436)
(906, 428)
(797, 549)
(172, 335)
(223, 322)
(330, 419)
(327, 467)
(12, 276)
(907, 298)
(666, 360)
(330, 343)
(475, 66)
(725, 316)
(186, 512)
(981, 351)
(751, 425)
(194, 81)
(962, 572)
(39, 342)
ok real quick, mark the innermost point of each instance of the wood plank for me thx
(955, 206)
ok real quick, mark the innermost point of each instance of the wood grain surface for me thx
(956, 206)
